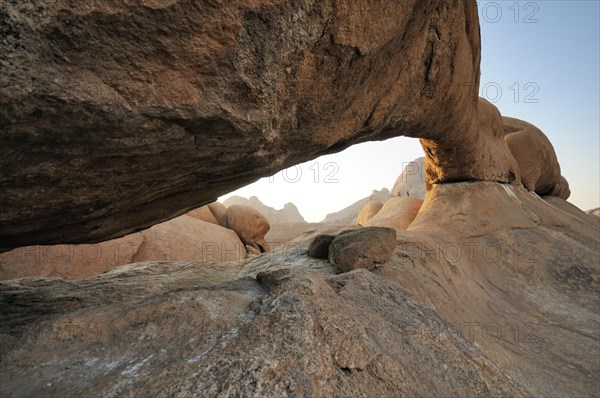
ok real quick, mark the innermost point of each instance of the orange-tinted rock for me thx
(187, 238)
(362, 248)
(538, 164)
(219, 212)
(411, 181)
(289, 214)
(120, 115)
(492, 291)
(561, 189)
(204, 214)
(396, 213)
(349, 215)
(368, 211)
(69, 261)
(182, 238)
(250, 225)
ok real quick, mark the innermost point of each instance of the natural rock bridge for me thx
(118, 115)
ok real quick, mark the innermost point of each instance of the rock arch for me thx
(116, 116)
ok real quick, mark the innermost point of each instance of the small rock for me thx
(319, 247)
(252, 250)
(362, 248)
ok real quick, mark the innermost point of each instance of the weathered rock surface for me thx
(219, 212)
(187, 238)
(204, 214)
(349, 215)
(368, 211)
(289, 214)
(250, 226)
(561, 189)
(538, 164)
(195, 334)
(492, 291)
(116, 116)
(70, 261)
(362, 248)
(397, 213)
(319, 247)
(280, 234)
(252, 250)
(411, 180)
(182, 238)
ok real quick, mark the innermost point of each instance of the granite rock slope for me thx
(463, 307)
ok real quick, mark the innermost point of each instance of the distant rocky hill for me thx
(289, 213)
(412, 180)
(350, 213)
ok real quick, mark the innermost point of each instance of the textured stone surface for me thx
(187, 238)
(396, 213)
(250, 225)
(411, 180)
(368, 211)
(362, 248)
(287, 215)
(561, 189)
(280, 234)
(182, 238)
(70, 261)
(288, 333)
(203, 214)
(219, 212)
(349, 215)
(319, 247)
(492, 291)
(119, 115)
(538, 164)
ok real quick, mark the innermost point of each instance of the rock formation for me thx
(412, 180)
(185, 238)
(362, 248)
(289, 213)
(397, 213)
(182, 238)
(199, 235)
(491, 291)
(250, 225)
(119, 115)
(281, 234)
(70, 261)
(219, 212)
(319, 247)
(349, 215)
(204, 214)
(538, 164)
(116, 116)
(368, 211)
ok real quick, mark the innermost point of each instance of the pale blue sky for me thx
(540, 63)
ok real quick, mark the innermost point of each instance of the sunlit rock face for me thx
(538, 164)
(118, 115)
(492, 291)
